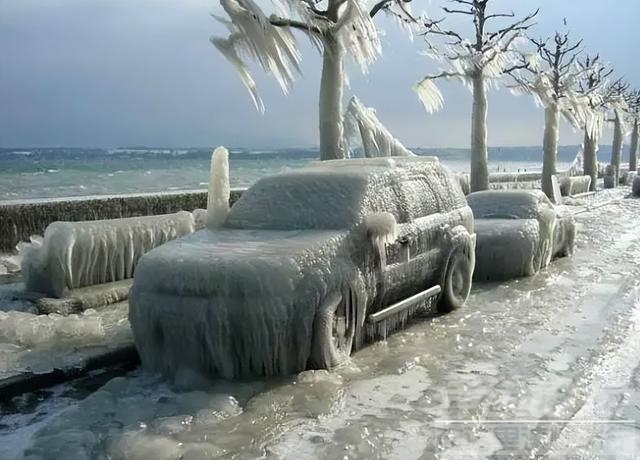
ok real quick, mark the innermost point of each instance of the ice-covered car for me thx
(518, 232)
(309, 265)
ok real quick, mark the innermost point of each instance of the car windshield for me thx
(309, 200)
(504, 205)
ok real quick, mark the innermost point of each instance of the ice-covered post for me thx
(219, 189)
(551, 75)
(478, 62)
(336, 27)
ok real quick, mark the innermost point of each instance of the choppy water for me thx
(58, 172)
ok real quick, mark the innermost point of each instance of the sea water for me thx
(59, 172)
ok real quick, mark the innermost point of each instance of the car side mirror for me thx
(381, 229)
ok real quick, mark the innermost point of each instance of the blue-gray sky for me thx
(122, 72)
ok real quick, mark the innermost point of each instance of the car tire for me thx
(457, 280)
(332, 337)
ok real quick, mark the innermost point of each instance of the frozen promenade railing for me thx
(19, 219)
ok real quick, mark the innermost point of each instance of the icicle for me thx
(429, 95)
(219, 189)
(382, 229)
(252, 34)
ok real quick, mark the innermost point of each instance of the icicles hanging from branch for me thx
(252, 34)
(376, 140)
(429, 95)
(357, 33)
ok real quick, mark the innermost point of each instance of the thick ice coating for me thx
(377, 141)
(260, 295)
(518, 233)
(573, 185)
(76, 254)
(219, 188)
(635, 186)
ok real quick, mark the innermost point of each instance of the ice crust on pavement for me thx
(27, 330)
(76, 254)
(241, 300)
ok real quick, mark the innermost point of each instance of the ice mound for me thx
(573, 185)
(76, 254)
(28, 330)
(138, 418)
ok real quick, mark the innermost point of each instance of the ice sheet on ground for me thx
(38, 343)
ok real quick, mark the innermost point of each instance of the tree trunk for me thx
(590, 159)
(633, 148)
(550, 147)
(479, 154)
(331, 129)
(616, 149)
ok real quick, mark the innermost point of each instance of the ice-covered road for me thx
(492, 379)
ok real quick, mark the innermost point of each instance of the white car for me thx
(310, 264)
(518, 233)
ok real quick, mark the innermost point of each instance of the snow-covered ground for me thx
(492, 378)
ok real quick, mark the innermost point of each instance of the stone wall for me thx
(19, 219)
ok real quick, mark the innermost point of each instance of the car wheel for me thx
(457, 281)
(332, 334)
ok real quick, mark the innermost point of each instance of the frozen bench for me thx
(574, 185)
(78, 254)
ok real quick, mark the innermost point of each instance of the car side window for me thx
(419, 197)
(385, 196)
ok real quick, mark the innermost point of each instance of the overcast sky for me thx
(110, 73)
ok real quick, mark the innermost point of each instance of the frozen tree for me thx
(595, 87)
(362, 122)
(552, 77)
(633, 102)
(336, 27)
(617, 105)
(478, 62)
